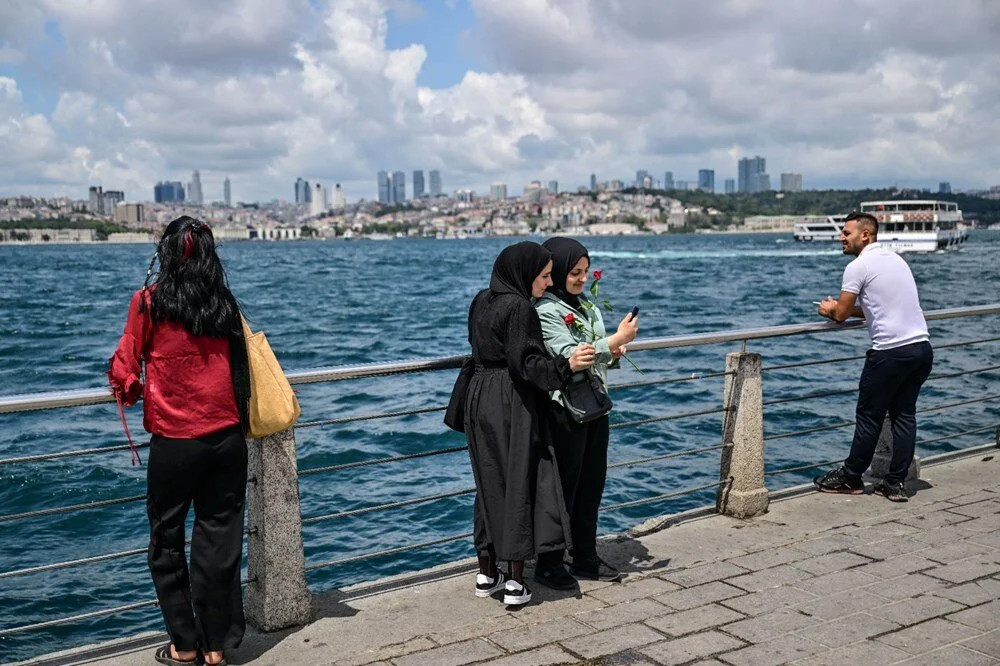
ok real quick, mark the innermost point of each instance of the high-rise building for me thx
(680, 185)
(593, 182)
(167, 191)
(668, 180)
(129, 214)
(435, 178)
(110, 201)
(398, 187)
(640, 177)
(227, 192)
(303, 193)
(384, 188)
(706, 180)
(418, 184)
(730, 185)
(944, 187)
(194, 189)
(498, 191)
(553, 187)
(752, 175)
(95, 204)
(317, 202)
(339, 200)
(791, 182)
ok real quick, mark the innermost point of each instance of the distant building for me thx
(194, 189)
(339, 200)
(303, 193)
(791, 182)
(95, 204)
(640, 177)
(384, 188)
(752, 175)
(730, 185)
(398, 187)
(668, 180)
(129, 214)
(317, 203)
(680, 185)
(435, 183)
(110, 201)
(706, 180)
(165, 192)
(418, 184)
(464, 195)
(944, 187)
(227, 192)
(498, 191)
(553, 187)
(593, 182)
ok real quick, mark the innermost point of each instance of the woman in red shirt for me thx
(185, 329)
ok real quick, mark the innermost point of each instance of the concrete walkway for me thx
(820, 579)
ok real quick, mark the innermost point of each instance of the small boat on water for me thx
(819, 230)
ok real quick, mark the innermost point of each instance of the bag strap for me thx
(128, 433)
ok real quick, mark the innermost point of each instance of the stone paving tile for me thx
(867, 652)
(831, 562)
(832, 606)
(977, 496)
(932, 519)
(953, 655)
(946, 553)
(623, 658)
(626, 613)
(698, 596)
(766, 559)
(695, 646)
(766, 627)
(847, 630)
(904, 587)
(828, 544)
(483, 627)
(769, 601)
(838, 580)
(988, 643)
(972, 594)
(639, 589)
(984, 618)
(418, 644)
(778, 651)
(928, 636)
(991, 539)
(897, 566)
(984, 524)
(767, 578)
(706, 573)
(612, 640)
(696, 619)
(543, 656)
(944, 535)
(525, 637)
(883, 531)
(972, 568)
(892, 547)
(977, 509)
(918, 609)
(551, 609)
(455, 654)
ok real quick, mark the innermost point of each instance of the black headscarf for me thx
(516, 268)
(566, 252)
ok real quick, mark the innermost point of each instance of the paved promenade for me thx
(820, 579)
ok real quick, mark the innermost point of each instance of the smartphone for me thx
(635, 312)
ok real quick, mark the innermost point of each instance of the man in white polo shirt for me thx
(897, 364)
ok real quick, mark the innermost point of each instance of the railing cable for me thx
(380, 461)
(370, 417)
(671, 417)
(69, 509)
(386, 507)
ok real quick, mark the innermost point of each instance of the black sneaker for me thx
(486, 586)
(839, 481)
(516, 594)
(893, 491)
(555, 577)
(594, 568)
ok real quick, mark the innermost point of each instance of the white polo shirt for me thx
(888, 297)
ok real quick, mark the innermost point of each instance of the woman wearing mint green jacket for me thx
(581, 449)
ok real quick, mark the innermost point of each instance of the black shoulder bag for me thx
(585, 397)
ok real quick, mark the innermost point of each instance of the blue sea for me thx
(335, 303)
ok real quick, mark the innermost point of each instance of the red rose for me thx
(569, 319)
(597, 275)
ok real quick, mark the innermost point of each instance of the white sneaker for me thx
(516, 594)
(486, 586)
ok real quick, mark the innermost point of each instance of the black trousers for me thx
(890, 382)
(202, 606)
(582, 456)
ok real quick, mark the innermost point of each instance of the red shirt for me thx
(188, 391)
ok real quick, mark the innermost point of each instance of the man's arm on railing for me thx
(842, 308)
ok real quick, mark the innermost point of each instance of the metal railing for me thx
(66, 399)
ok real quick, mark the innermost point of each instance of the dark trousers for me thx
(202, 607)
(890, 382)
(582, 456)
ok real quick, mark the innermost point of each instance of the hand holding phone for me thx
(635, 312)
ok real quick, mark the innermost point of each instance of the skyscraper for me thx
(498, 191)
(944, 187)
(752, 175)
(339, 200)
(706, 180)
(317, 203)
(194, 189)
(730, 185)
(668, 180)
(640, 176)
(398, 187)
(110, 201)
(95, 205)
(303, 193)
(227, 192)
(553, 187)
(593, 182)
(418, 184)
(791, 182)
(435, 177)
(384, 188)
(168, 191)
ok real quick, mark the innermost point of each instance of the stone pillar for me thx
(742, 470)
(883, 457)
(278, 596)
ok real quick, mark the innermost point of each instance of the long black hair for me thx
(191, 289)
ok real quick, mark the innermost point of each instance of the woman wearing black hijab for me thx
(519, 508)
(581, 449)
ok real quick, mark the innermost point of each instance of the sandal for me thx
(162, 655)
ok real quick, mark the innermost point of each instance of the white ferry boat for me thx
(819, 230)
(917, 226)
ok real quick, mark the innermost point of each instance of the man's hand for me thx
(840, 309)
(827, 307)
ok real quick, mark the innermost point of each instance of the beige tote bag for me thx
(273, 405)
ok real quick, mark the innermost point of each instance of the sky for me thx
(849, 93)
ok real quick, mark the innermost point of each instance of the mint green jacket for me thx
(561, 339)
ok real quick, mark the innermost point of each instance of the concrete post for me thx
(278, 596)
(742, 470)
(883, 457)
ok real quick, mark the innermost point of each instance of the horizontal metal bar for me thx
(809, 396)
(958, 434)
(77, 618)
(695, 376)
(72, 563)
(68, 509)
(380, 461)
(93, 396)
(810, 430)
(964, 372)
(69, 454)
(658, 498)
(386, 507)
(675, 454)
(937, 347)
(802, 467)
(671, 417)
(957, 404)
(390, 551)
(370, 417)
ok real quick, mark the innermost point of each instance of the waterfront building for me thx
(95, 204)
(398, 187)
(730, 186)
(384, 188)
(498, 191)
(339, 200)
(435, 183)
(706, 180)
(668, 180)
(553, 187)
(593, 182)
(791, 182)
(166, 192)
(110, 200)
(752, 175)
(129, 214)
(944, 187)
(317, 204)
(194, 189)
(640, 177)
(227, 192)
(303, 194)
(418, 184)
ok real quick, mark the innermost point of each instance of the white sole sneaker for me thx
(516, 595)
(486, 588)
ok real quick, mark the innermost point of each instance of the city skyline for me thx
(851, 93)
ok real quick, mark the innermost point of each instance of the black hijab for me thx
(566, 252)
(516, 268)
